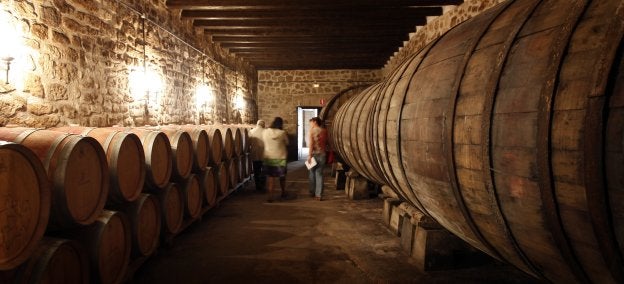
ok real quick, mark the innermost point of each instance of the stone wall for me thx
(437, 26)
(73, 59)
(281, 92)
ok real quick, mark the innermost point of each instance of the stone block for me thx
(9, 105)
(389, 203)
(50, 16)
(389, 192)
(432, 247)
(356, 186)
(396, 219)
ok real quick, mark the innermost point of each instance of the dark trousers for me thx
(259, 176)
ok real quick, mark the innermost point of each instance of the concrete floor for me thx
(300, 240)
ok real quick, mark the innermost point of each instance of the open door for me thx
(304, 114)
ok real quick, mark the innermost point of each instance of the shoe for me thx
(318, 198)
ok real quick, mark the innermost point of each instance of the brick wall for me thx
(436, 27)
(74, 60)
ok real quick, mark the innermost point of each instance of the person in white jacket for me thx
(256, 144)
(275, 153)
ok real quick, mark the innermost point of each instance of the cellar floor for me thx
(300, 240)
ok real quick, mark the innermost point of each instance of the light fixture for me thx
(203, 95)
(11, 41)
(239, 102)
(203, 92)
(316, 85)
(145, 83)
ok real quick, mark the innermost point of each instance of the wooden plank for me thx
(348, 23)
(277, 4)
(324, 13)
(296, 39)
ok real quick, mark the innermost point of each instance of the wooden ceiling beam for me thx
(300, 56)
(347, 22)
(307, 31)
(251, 4)
(293, 13)
(310, 39)
(295, 45)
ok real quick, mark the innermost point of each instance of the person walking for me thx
(275, 153)
(318, 144)
(256, 144)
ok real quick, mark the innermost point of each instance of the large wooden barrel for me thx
(55, 261)
(208, 183)
(201, 145)
(126, 160)
(223, 179)
(182, 150)
(77, 168)
(171, 201)
(108, 244)
(24, 203)
(508, 131)
(193, 198)
(216, 144)
(158, 156)
(145, 219)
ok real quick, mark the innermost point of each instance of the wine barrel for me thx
(244, 166)
(145, 219)
(126, 160)
(55, 261)
(245, 136)
(158, 156)
(208, 183)
(108, 244)
(228, 141)
(182, 150)
(216, 144)
(24, 203)
(508, 131)
(250, 169)
(223, 179)
(77, 169)
(232, 167)
(171, 201)
(237, 136)
(201, 145)
(192, 194)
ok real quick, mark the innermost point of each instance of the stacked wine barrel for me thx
(232, 169)
(508, 130)
(105, 197)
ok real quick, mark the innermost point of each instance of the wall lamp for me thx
(203, 95)
(11, 41)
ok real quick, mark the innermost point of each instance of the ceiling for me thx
(310, 34)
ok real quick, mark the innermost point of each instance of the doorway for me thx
(304, 114)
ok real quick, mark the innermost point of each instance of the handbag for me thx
(330, 157)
